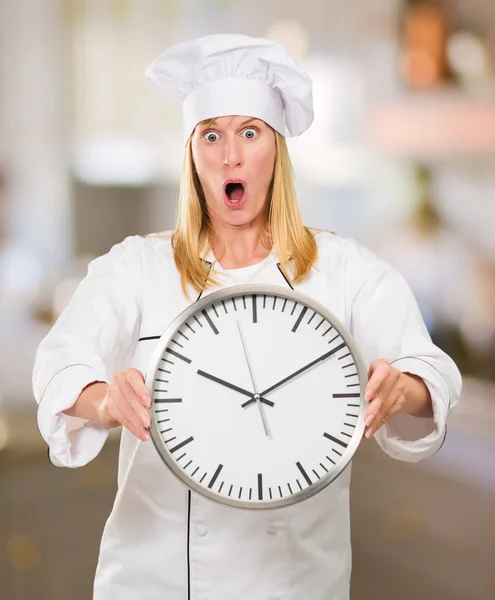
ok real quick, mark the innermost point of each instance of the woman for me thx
(238, 222)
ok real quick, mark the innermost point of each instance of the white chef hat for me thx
(226, 74)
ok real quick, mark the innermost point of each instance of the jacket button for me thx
(272, 529)
(202, 531)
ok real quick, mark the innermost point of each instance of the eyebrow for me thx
(210, 123)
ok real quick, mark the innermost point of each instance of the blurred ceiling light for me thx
(467, 55)
(292, 36)
(114, 160)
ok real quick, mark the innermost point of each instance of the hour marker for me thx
(244, 301)
(181, 445)
(250, 493)
(214, 310)
(181, 456)
(198, 321)
(264, 300)
(316, 474)
(162, 410)
(353, 405)
(349, 425)
(274, 302)
(293, 308)
(177, 355)
(314, 315)
(336, 440)
(183, 335)
(215, 475)
(187, 325)
(328, 458)
(162, 380)
(240, 493)
(195, 471)
(260, 486)
(201, 480)
(303, 473)
(210, 322)
(346, 434)
(290, 489)
(299, 319)
(255, 309)
(180, 345)
(333, 339)
(230, 489)
(224, 307)
(353, 385)
(351, 415)
(170, 440)
(345, 356)
(319, 324)
(233, 302)
(270, 493)
(168, 361)
(185, 466)
(283, 305)
(336, 452)
(164, 370)
(346, 395)
(324, 334)
(165, 430)
(280, 492)
(349, 365)
(351, 375)
(323, 467)
(167, 400)
(221, 486)
(298, 483)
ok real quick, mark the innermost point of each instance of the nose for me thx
(233, 154)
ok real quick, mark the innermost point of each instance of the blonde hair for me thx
(194, 234)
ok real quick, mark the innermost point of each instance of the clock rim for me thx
(250, 289)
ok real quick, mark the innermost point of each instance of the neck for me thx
(236, 248)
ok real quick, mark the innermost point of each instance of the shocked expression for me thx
(234, 159)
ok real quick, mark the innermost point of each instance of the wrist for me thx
(417, 396)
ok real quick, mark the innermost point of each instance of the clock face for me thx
(257, 396)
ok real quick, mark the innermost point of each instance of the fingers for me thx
(385, 392)
(394, 408)
(126, 400)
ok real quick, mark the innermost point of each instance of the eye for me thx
(210, 136)
(250, 133)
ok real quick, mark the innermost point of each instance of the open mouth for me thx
(235, 191)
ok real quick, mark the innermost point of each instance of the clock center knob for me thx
(256, 397)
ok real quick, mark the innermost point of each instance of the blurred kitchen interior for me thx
(401, 156)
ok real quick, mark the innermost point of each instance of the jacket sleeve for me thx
(92, 339)
(386, 323)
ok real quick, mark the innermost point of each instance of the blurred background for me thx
(401, 156)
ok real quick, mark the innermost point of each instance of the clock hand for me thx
(298, 372)
(256, 395)
(233, 387)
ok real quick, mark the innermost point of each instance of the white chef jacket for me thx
(162, 542)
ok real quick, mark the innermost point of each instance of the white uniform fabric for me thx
(228, 74)
(160, 540)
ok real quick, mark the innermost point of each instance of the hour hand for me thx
(233, 387)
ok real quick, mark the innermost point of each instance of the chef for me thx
(238, 222)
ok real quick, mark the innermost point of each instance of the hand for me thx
(233, 387)
(386, 391)
(256, 395)
(124, 404)
(298, 372)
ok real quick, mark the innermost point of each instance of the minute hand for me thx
(308, 366)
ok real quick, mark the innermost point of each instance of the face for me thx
(234, 159)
